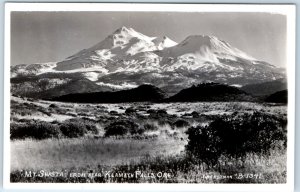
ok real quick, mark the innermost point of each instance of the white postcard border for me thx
(286, 9)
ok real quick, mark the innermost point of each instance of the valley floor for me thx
(157, 154)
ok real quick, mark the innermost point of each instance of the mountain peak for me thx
(208, 43)
(127, 33)
(201, 40)
(164, 42)
(122, 29)
(128, 55)
(126, 50)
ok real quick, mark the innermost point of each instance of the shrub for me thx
(139, 131)
(151, 111)
(86, 123)
(195, 114)
(71, 114)
(158, 114)
(53, 105)
(164, 122)
(90, 127)
(27, 121)
(73, 129)
(130, 110)
(150, 127)
(235, 136)
(113, 130)
(142, 107)
(113, 113)
(181, 123)
(203, 145)
(35, 130)
(122, 127)
(44, 111)
(55, 122)
(162, 112)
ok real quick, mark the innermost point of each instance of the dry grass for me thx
(128, 156)
(81, 152)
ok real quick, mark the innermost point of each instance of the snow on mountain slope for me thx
(92, 76)
(91, 73)
(208, 48)
(127, 58)
(123, 42)
(128, 50)
(144, 61)
(116, 86)
(32, 69)
(164, 43)
(200, 52)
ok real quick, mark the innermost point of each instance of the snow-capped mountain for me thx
(113, 49)
(164, 42)
(209, 54)
(127, 57)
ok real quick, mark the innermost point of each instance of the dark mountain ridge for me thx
(210, 92)
(265, 88)
(49, 85)
(278, 97)
(143, 93)
(150, 93)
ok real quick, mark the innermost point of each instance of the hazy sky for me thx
(53, 36)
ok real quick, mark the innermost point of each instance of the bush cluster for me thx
(72, 130)
(85, 123)
(235, 136)
(123, 127)
(180, 123)
(37, 130)
(42, 130)
(150, 127)
(158, 114)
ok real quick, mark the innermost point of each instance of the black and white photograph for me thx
(135, 94)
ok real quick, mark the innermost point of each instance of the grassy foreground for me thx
(120, 160)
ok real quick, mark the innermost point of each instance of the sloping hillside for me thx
(278, 97)
(210, 92)
(140, 94)
(266, 88)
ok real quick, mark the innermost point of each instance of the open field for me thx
(41, 110)
(153, 140)
(84, 152)
(112, 161)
